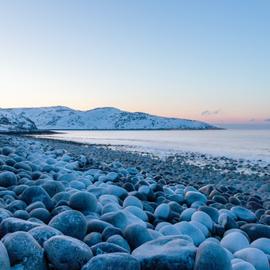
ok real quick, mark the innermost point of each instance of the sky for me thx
(199, 59)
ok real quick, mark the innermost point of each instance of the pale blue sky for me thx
(204, 59)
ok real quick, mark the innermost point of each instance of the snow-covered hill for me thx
(11, 121)
(60, 117)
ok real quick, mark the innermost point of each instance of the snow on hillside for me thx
(60, 117)
(11, 121)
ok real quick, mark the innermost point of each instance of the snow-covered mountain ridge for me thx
(10, 121)
(59, 117)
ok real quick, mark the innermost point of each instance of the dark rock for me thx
(109, 231)
(53, 187)
(8, 179)
(256, 231)
(104, 247)
(96, 225)
(22, 214)
(83, 201)
(136, 235)
(67, 253)
(36, 194)
(12, 224)
(16, 205)
(24, 250)
(119, 261)
(243, 214)
(42, 214)
(212, 256)
(92, 238)
(120, 241)
(43, 233)
(4, 259)
(166, 253)
(71, 223)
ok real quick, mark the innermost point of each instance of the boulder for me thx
(119, 261)
(212, 256)
(67, 253)
(8, 179)
(71, 223)
(25, 251)
(166, 253)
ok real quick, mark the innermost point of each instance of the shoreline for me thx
(219, 170)
(90, 204)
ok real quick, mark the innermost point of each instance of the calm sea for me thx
(235, 143)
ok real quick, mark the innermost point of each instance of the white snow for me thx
(11, 121)
(60, 117)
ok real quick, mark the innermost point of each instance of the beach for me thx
(90, 206)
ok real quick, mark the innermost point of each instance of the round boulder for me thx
(166, 253)
(24, 250)
(43, 233)
(67, 253)
(119, 261)
(234, 241)
(212, 256)
(254, 256)
(8, 179)
(83, 201)
(71, 223)
(4, 259)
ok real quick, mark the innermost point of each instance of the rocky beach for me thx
(76, 206)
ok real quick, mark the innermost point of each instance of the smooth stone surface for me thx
(11, 224)
(163, 211)
(255, 231)
(211, 256)
(71, 223)
(4, 259)
(67, 253)
(243, 266)
(255, 257)
(120, 241)
(203, 218)
(263, 244)
(136, 235)
(24, 250)
(36, 194)
(234, 241)
(132, 201)
(83, 201)
(166, 253)
(117, 261)
(186, 228)
(8, 179)
(244, 214)
(104, 247)
(194, 196)
(43, 233)
(92, 238)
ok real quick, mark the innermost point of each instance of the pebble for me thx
(119, 261)
(234, 241)
(8, 179)
(77, 212)
(4, 259)
(71, 223)
(24, 251)
(244, 214)
(255, 257)
(167, 253)
(212, 256)
(67, 253)
(83, 201)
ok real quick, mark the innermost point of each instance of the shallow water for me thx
(234, 143)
